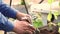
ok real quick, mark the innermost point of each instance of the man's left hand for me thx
(24, 17)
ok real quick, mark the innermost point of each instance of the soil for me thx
(46, 30)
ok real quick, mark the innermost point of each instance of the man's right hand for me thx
(23, 27)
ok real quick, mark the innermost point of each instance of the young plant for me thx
(49, 17)
(50, 13)
(56, 13)
(37, 22)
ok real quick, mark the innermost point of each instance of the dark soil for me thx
(46, 30)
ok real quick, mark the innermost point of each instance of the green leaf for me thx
(56, 13)
(55, 17)
(59, 24)
(49, 16)
(59, 30)
(50, 1)
(37, 23)
(59, 27)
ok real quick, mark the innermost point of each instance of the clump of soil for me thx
(46, 30)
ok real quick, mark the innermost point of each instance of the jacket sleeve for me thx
(5, 24)
(7, 10)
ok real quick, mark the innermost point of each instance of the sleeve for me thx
(5, 24)
(7, 10)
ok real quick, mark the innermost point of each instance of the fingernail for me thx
(30, 24)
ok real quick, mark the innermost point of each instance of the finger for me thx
(29, 19)
(27, 32)
(25, 19)
(31, 27)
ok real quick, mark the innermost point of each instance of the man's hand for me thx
(27, 18)
(23, 27)
(24, 17)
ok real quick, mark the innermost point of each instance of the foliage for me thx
(56, 13)
(37, 23)
(50, 1)
(58, 24)
(59, 30)
(49, 16)
(59, 27)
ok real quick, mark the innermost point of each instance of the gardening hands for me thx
(24, 17)
(23, 27)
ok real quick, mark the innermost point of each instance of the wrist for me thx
(20, 15)
(9, 27)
